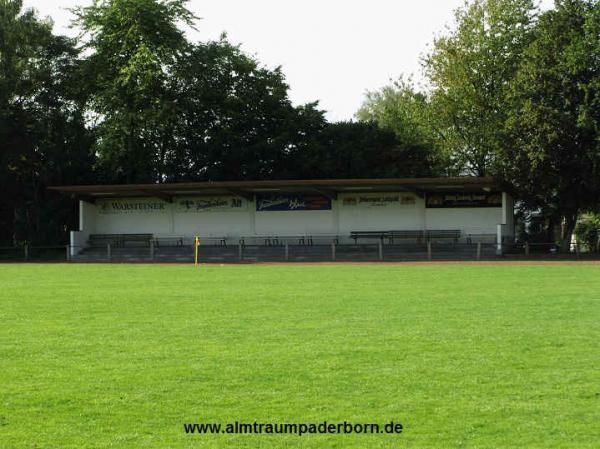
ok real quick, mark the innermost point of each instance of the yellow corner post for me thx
(196, 248)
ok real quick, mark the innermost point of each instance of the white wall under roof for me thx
(350, 212)
(392, 216)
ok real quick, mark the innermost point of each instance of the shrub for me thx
(588, 232)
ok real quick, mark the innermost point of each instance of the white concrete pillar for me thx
(335, 206)
(504, 208)
(171, 207)
(81, 215)
(499, 240)
(252, 211)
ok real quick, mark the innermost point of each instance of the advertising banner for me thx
(210, 204)
(268, 203)
(455, 200)
(379, 200)
(131, 206)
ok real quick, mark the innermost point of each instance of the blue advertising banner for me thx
(266, 203)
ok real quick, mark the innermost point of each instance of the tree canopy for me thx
(43, 138)
(133, 100)
(512, 92)
(552, 151)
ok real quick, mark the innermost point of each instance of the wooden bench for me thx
(119, 240)
(222, 240)
(417, 235)
(377, 235)
(405, 235)
(303, 240)
(453, 234)
(168, 240)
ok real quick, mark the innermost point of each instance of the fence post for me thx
(68, 248)
(478, 250)
(380, 250)
(333, 251)
(577, 249)
(527, 249)
(151, 249)
(286, 251)
(108, 253)
(240, 251)
(429, 250)
(26, 251)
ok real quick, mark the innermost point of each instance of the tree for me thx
(406, 112)
(363, 150)
(134, 45)
(43, 139)
(400, 108)
(552, 152)
(235, 120)
(588, 232)
(469, 70)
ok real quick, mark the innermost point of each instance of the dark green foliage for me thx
(469, 70)
(43, 139)
(552, 149)
(514, 93)
(588, 232)
(364, 150)
(235, 120)
(142, 104)
(135, 46)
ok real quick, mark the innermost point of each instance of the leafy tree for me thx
(135, 46)
(402, 109)
(588, 232)
(236, 122)
(235, 119)
(469, 70)
(42, 137)
(363, 150)
(552, 155)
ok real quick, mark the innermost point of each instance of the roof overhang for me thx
(327, 187)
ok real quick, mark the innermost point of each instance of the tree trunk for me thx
(569, 227)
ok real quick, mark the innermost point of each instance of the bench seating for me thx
(453, 234)
(222, 240)
(390, 235)
(268, 240)
(377, 235)
(168, 240)
(417, 235)
(405, 235)
(119, 240)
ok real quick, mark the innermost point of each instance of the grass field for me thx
(464, 356)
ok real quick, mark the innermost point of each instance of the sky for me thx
(332, 51)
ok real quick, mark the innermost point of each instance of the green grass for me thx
(121, 356)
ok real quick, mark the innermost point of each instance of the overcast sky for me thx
(330, 50)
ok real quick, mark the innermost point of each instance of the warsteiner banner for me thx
(131, 206)
(266, 203)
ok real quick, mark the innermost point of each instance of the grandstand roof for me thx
(327, 187)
